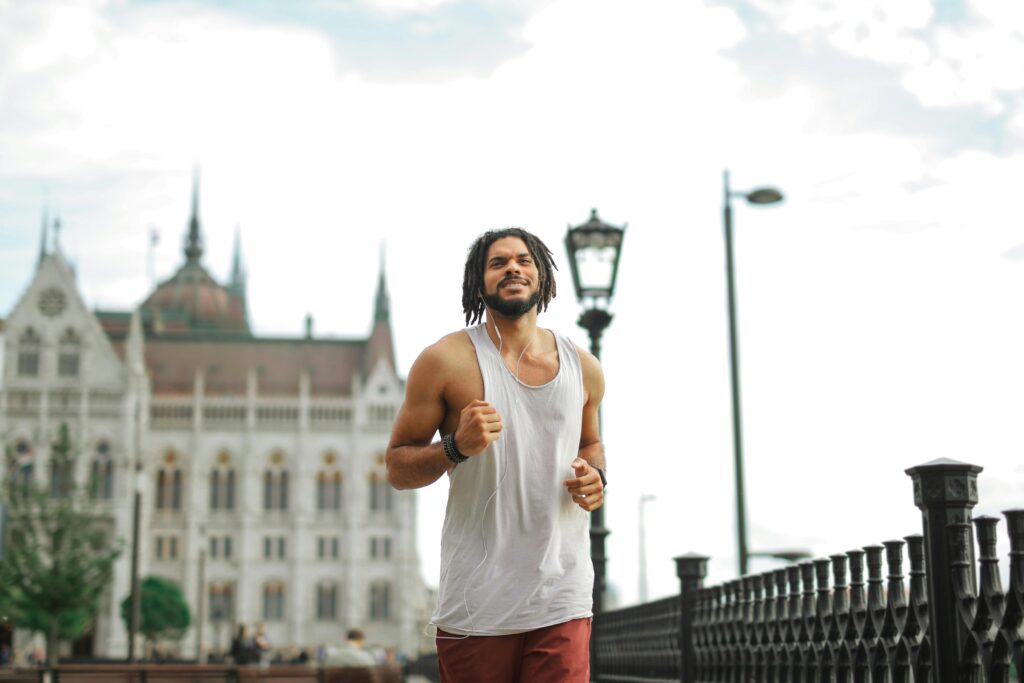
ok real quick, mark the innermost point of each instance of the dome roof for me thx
(192, 301)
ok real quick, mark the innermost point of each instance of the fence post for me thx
(691, 570)
(945, 491)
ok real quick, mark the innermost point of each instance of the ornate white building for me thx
(260, 459)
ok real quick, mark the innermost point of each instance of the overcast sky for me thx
(880, 306)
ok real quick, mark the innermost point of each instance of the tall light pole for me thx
(642, 534)
(760, 196)
(594, 249)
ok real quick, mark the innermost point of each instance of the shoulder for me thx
(446, 356)
(593, 375)
(589, 362)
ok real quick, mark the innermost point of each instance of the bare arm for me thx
(586, 489)
(412, 461)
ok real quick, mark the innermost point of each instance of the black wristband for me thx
(600, 473)
(451, 451)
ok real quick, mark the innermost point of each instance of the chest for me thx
(468, 385)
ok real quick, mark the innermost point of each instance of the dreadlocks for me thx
(473, 278)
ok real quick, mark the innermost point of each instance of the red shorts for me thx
(554, 654)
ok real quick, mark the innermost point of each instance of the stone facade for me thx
(260, 460)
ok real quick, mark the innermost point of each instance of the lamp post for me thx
(135, 613)
(759, 196)
(594, 249)
(642, 579)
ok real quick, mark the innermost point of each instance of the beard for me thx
(511, 308)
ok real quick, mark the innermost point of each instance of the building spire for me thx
(382, 309)
(44, 232)
(194, 241)
(237, 267)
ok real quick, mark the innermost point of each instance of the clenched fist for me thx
(586, 488)
(479, 426)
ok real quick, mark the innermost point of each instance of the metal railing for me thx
(826, 620)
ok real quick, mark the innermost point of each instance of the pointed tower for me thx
(237, 267)
(380, 345)
(194, 241)
(44, 232)
(382, 307)
(239, 279)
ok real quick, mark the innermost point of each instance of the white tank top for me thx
(522, 560)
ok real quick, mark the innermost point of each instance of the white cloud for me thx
(872, 29)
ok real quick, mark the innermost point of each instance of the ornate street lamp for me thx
(594, 249)
(760, 196)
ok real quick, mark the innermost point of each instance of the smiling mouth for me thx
(513, 282)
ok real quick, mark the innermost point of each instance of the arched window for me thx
(380, 601)
(169, 483)
(222, 484)
(380, 492)
(222, 602)
(68, 354)
(273, 601)
(327, 601)
(275, 484)
(29, 345)
(328, 491)
(101, 476)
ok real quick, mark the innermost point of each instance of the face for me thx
(511, 285)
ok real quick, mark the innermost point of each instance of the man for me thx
(516, 406)
(351, 653)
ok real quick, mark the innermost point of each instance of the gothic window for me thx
(222, 602)
(380, 548)
(328, 491)
(275, 484)
(166, 548)
(380, 492)
(327, 547)
(68, 354)
(327, 601)
(101, 475)
(168, 488)
(29, 345)
(380, 601)
(275, 547)
(273, 601)
(222, 489)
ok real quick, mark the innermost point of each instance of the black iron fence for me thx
(947, 619)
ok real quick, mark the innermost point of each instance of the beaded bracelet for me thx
(451, 451)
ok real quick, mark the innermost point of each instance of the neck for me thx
(511, 334)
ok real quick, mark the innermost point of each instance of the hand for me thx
(479, 426)
(586, 488)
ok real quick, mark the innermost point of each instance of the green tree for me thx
(59, 559)
(165, 613)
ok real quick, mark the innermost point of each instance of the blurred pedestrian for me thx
(351, 653)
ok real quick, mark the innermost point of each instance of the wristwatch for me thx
(604, 480)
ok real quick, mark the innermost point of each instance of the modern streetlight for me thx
(759, 196)
(642, 578)
(594, 249)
